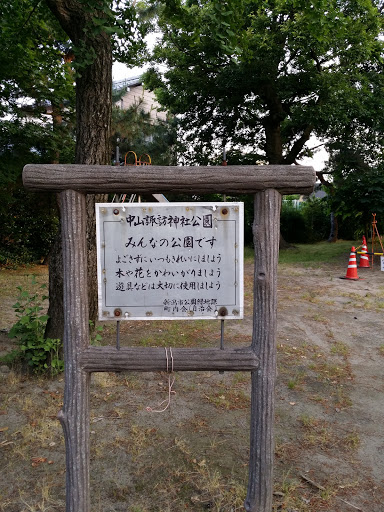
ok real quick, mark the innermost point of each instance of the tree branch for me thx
(298, 145)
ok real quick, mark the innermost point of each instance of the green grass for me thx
(248, 253)
(322, 252)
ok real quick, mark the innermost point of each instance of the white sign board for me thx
(166, 261)
(382, 263)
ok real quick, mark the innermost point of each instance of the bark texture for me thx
(107, 359)
(74, 416)
(55, 324)
(266, 229)
(241, 179)
(93, 131)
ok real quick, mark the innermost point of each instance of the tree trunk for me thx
(93, 130)
(334, 229)
(273, 142)
(94, 115)
(283, 244)
(55, 325)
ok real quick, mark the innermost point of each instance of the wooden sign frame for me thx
(73, 182)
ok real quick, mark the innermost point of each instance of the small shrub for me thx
(292, 223)
(42, 355)
(28, 225)
(317, 219)
(305, 222)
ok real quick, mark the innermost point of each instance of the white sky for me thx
(120, 71)
(319, 159)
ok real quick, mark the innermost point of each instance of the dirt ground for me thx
(329, 412)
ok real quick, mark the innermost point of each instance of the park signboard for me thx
(164, 261)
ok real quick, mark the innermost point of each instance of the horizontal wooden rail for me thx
(231, 179)
(109, 359)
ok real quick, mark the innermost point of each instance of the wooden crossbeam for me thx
(231, 179)
(147, 359)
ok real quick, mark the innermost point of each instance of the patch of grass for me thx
(297, 380)
(131, 381)
(322, 252)
(9, 280)
(317, 433)
(104, 379)
(320, 318)
(291, 350)
(331, 372)
(229, 399)
(249, 253)
(342, 400)
(288, 495)
(311, 296)
(241, 378)
(352, 441)
(137, 442)
(340, 349)
(11, 359)
(181, 333)
(307, 421)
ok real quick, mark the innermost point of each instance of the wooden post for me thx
(74, 416)
(266, 231)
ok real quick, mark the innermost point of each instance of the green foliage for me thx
(37, 126)
(32, 46)
(138, 132)
(358, 187)
(96, 333)
(28, 225)
(292, 223)
(42, 355)
(262, 76)
(98, 24)
(316, 214)
(305, 222)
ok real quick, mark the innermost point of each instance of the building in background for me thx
(137, 95)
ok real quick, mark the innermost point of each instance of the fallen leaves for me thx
(36, 461)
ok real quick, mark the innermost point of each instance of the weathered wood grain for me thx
(74, 416)
(108, 359)
(232, 179)
(266, 229)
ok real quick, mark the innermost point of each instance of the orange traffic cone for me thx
(352, 267)
(364, 259)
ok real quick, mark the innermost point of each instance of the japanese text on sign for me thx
(170, 260)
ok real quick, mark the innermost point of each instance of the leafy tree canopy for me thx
(263, 76)
(37, 119)
(91, 21)
(32, 46)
